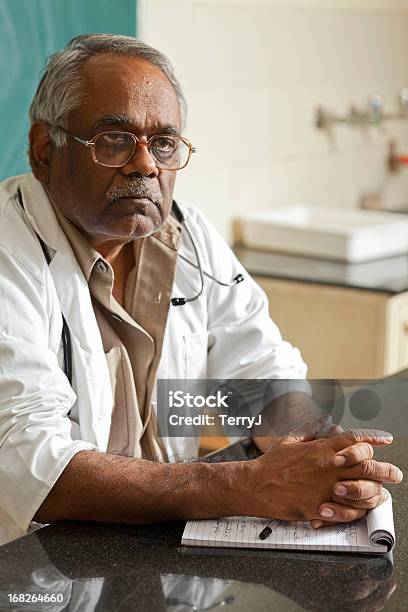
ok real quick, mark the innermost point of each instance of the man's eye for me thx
(113, 138)
(166, 145)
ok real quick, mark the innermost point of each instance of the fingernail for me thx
(339, 460)
(400, 476)
(340, 490)
(387, 436)
(316, 524)
(327, 512)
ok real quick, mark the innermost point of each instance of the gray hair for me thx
(61, 86)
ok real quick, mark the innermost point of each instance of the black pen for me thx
(266, 531)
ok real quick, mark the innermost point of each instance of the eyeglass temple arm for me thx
(82, 141)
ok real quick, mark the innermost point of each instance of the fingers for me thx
(358, 489)
(340, 440)
(339, 513)
(361, 451)
(295, 437)
(375, 437)
(374, 470)
(335, 429)
(360, 494)
(322, 426)
(359, 504)
(308, 430)
(328, 429)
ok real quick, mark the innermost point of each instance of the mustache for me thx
(135, 188)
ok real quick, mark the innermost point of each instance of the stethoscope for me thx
(177, 301)
(180, 301)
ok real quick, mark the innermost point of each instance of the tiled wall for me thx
(254, 73)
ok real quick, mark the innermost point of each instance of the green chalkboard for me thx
(30, 30)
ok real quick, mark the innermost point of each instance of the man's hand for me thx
(363, 494)
(294, 479)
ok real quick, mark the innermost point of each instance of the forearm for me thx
(293, 480)
(109, 488)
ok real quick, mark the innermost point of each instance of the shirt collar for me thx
(85, 253)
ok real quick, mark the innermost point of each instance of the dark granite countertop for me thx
(122, 568)
(386, 275)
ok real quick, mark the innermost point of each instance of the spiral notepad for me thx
(373, 534)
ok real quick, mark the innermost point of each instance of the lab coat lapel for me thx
(91, 373)
(91, 380)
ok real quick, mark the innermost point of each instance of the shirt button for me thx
(102, 266)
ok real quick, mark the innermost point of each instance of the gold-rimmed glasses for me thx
(115, 149)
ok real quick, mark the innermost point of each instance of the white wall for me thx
(254, 73)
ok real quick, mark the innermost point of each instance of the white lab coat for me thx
(226, 333)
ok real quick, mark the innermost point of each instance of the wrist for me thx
(245, 488)
(264, 490)
(226, 486)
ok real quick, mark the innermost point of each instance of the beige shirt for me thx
(132, 336)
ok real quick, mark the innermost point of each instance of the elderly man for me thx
(93, 247)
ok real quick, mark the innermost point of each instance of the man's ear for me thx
(40, 147)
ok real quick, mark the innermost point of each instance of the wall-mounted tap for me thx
(373, 114)
(376, 105)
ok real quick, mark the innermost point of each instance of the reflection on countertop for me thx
(108, 567)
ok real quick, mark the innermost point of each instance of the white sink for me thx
(330, 233)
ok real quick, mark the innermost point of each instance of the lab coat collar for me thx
(40, 212)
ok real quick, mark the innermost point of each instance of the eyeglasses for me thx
(115, 149)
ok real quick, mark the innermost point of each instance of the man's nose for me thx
(141, 162)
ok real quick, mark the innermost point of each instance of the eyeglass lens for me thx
(116, 149)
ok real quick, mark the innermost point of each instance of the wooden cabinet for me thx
(341, 332)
